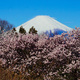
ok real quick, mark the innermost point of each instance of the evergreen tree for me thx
(22, 30)
(33, 30)
(14, 29)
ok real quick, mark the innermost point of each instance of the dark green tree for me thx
(22, 30)
(14, 29)
(33, 30)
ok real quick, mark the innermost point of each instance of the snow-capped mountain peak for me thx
(44, 23)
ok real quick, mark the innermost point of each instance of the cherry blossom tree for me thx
(35, 55)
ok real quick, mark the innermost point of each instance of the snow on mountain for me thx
(44, 24)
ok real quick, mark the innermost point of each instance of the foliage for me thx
(39, 57)
(14, 29)
(8, 74)
(33, 30)
(22, 30)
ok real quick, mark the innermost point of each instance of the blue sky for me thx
(17, 12)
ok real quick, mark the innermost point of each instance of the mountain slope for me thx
(43, 24)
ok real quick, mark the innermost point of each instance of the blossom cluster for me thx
(51, 56)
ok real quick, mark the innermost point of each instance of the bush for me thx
(8, 74)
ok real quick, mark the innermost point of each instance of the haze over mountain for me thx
(44, 24)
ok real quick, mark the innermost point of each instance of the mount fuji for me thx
(45, 24)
